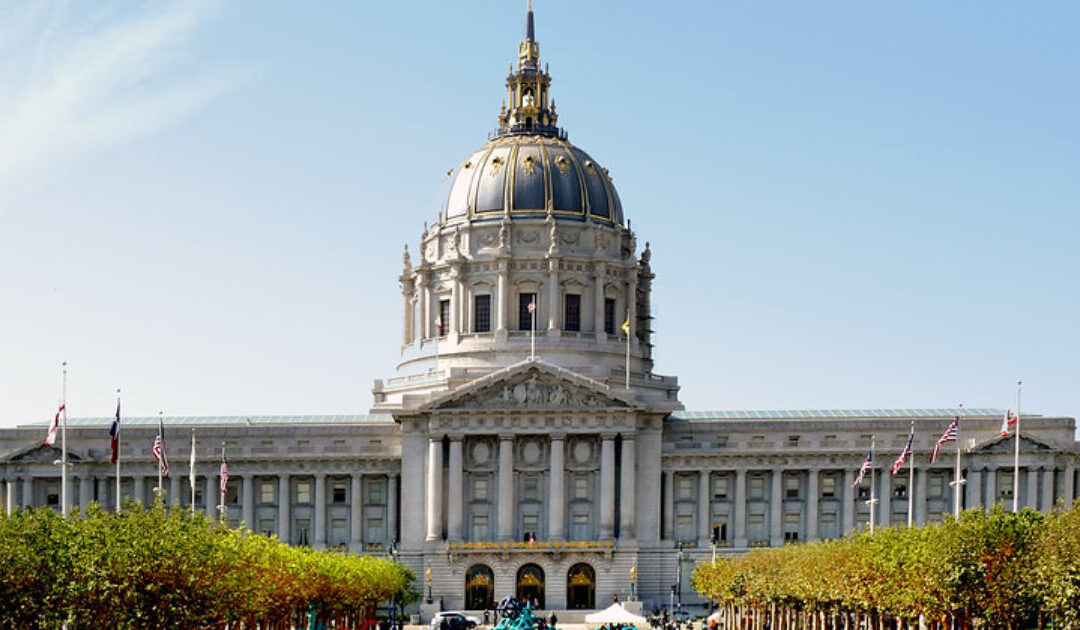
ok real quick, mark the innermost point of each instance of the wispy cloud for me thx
(73, 84)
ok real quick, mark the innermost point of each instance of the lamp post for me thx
(427, 575)
(633, 582)
(393, 598)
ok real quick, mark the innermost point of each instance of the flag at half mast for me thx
(867, 464)
(949, 436)
(158, 450)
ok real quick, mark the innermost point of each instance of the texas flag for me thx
(1006, 422)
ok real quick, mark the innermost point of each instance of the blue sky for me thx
(850, 204)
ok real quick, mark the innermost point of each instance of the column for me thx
(454, 490)
(1032, 499)
(174, 490)
(973, 488)
(598, 301)
(320, 511)
(501, 302)
(669, 505)
(740, 508)
(1069, 489)
(884, 517)
(356, 513)
(920, 496)
(247, 492)
(284, 499)
(28, 492)
(139, 489)
(457, 302)
(211, 495)
(9, 496)
(847, 523)
(1047, 502)
(812, 504)
(607, 487)
(703, 512)
(427, 321)
(86, 491)
(434, 489)
(776, 508)
(506, 508)
(553, 298)
(628, 488)
(392, 483)
(557, 488)
(990, 488)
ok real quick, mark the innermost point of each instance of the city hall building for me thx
(513, 452)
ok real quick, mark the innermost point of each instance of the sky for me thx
(850, 204)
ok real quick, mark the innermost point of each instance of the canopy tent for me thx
(615, 613)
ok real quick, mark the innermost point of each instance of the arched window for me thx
(581, 587)
(479, 587)
(530, 585)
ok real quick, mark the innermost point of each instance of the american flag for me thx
(224, 472)
(899, 463)
(948, 436)
(158, 450)
(866, 466)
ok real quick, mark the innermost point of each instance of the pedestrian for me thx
(552, 620)
(487, 617)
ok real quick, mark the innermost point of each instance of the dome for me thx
(523, 176)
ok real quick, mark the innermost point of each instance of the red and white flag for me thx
(51, 437)
(899, 463)
(158, 450)
(532, 306)
(1006, 422)
(949, 436)
(224, 473)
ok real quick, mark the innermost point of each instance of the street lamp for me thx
(427, 575)
(633, 582)
(393, 598)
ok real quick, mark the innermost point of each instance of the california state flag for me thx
(1006, 422)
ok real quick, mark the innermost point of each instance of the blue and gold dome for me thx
(529, 168)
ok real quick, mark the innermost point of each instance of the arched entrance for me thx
(479, 587)
(581, 587)
(530, 585)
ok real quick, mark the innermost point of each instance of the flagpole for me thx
(873, 495)
(532, 330)
(117, 449)
(911, 479)
(191, 474)
(63, 445)
(628, 352)
(957, 483)
(221, 484)
(1016, 453)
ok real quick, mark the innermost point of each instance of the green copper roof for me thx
(798, 414)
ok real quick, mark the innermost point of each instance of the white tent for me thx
(615, 613)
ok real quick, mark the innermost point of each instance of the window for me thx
(339, 532)
(579, 527)
(864, 492)
(791, 487)
(374, 530)
(684, 527)
(721, 441)
(755, 527)
(793, 441)
(480, 489)
(757, 487)
(482, 313)
(572, 312)
(266, 491)
(684, 487)
(1005, 484)
(442, 324)
(530, 525)
(232, 492)
(609, 316)
(338, 492)
(301, 532)
(303, 492)
(828, 487)
(376, 492)
(530, 489)
(936, 486)
(791, 527)
(266, 527)
(480, 527)
(581, 488)
(899, 491)
(525, 316)
(720, 487)
(719, 531)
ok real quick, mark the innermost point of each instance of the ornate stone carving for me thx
(537, 391)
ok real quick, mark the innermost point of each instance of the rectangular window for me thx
(579, 527)
(864, 492)
(936, 486)
(757, 487)
(232, 492)
(480, 527)
(530, 489)
(338, 492)
(525, 316)
(266, 527)
(266, 491)
(442, 324)
(791, 527)
(720, 487)
(374, 532)
(828, 487)
(572, 312)
(791, 487)
(609, 316)
(793, 441)
(376, 492)
(302, 532)
(480, 489)
(482, 313)
(530, 525)
(303, 492)
(755, 527)
(339, 532)
(684, 527)
(581, 488)
(720, 530)
(684, 487)
(1005, 484)
(899, 491)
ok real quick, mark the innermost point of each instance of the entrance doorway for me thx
(479, 587)
(581, 587)
(530, 585)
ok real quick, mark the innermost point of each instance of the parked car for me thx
(453, 621)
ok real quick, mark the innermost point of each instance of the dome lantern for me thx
(528, 98)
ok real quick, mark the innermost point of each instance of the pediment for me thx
(1002, 444)
(40, 454)
(532, 385)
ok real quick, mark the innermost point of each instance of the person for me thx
(487, 617)
(614, 599)
(552, 620)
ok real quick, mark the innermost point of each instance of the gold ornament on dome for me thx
(496, 164)
(529, 164)
(589, 166)
(563, 164)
